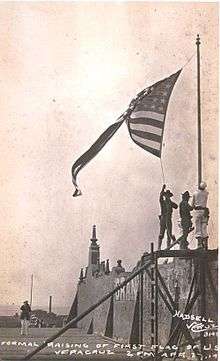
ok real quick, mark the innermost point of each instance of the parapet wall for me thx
(118, 317)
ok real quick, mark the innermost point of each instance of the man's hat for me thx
(169, 194)
(186, 194)
(203, 185)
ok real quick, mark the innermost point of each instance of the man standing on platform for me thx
(25, 318)
(165, 217)
(199, 203)
(186, 222)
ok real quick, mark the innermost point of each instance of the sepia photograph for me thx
(109, 180)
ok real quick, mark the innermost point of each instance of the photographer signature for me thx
(200, 327)
(199, 324)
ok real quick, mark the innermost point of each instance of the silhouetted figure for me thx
(186, 219)
(199, 203)
(25, 318)
(118, 269)
(166, 206)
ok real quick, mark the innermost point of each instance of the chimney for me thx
(50, 304)
(107, 269)
(102, 267)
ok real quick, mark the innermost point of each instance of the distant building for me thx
(9, 321)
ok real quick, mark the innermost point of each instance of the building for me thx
(178, 286)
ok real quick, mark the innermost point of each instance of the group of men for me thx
(198, 205)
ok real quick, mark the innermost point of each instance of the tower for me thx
(94, 253)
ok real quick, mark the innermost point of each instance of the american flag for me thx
(145, 118)
(146, 121)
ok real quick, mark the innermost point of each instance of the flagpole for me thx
(199, 112)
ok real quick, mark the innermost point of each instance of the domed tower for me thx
(94, 253)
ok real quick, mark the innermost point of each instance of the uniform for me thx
(199, 203)
(165, 217)
(186, 222)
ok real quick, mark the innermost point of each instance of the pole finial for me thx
(198, 40)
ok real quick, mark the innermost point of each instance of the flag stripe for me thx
(146, 135)
(146, 128)
(92, 152)
(147, 142)
(147, 114)
(149, 149)
(149, 121)
(146, 123)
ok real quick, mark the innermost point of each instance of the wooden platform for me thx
(188, 253)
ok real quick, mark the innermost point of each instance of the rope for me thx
(188, 61)
(163, 176)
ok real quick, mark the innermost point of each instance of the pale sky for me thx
(68, 70)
